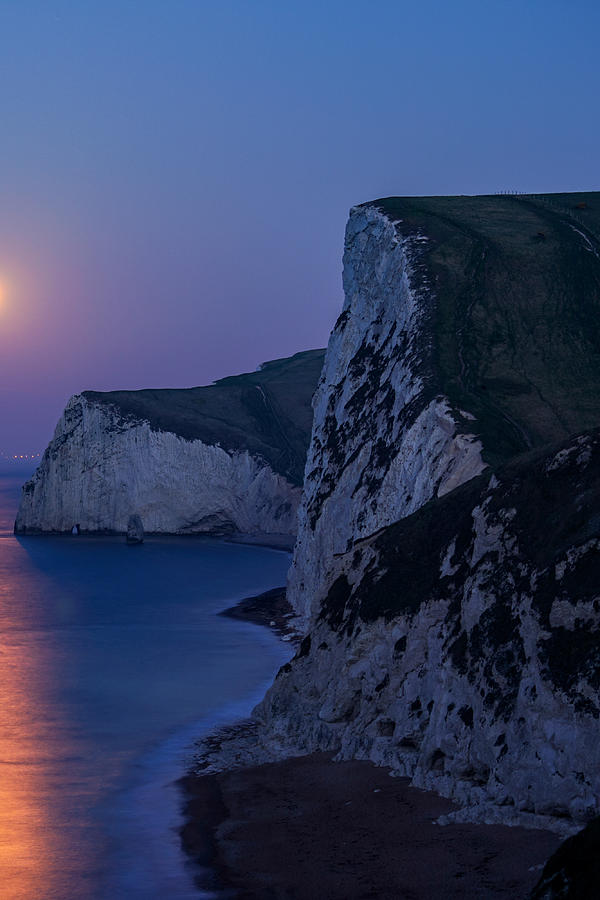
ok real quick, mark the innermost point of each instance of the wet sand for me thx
(312, 829)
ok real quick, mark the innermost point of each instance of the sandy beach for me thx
(309, 828)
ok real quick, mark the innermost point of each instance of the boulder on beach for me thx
(573, 872)
(135, 530)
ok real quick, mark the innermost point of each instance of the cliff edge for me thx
(447, 562)
(219, 459)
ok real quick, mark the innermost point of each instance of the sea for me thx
(113, 663)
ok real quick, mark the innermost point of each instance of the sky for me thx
(175, 175)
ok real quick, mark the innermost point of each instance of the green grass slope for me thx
(516, 315)
(267, 412)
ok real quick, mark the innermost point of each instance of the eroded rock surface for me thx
(135, 530)
(460, 646)
(384, 440)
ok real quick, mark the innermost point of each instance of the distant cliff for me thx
(224, 458)
(447, 566)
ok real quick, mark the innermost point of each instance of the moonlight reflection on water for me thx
(109, 658)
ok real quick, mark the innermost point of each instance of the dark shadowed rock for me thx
(270, 608)
(573, 872)
(135, 530)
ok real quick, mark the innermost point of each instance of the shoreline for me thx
(282, 542)
(307, 826)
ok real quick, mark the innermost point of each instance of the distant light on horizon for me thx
(10, 457)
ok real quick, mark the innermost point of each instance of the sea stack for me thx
(135, 530)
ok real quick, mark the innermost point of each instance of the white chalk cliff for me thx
(101, 468)
(383, 441)
(451, 616)
(137, 453)
(447, 563)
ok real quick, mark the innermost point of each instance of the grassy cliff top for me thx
(267, 412)
(516, 314)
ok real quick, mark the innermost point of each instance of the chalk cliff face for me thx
(447, 564)
(384, 441)
(460, 645)
(99, 467)
(218, 460)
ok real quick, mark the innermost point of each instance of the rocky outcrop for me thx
(447, 356)
(445, 568)
(460, 645)
(222, 459)
(135, 530)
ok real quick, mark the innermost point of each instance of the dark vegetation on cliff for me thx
(268, 412)
(539, 508)
(516, 316)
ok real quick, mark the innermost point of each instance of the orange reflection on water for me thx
(27, 839)
(45, 853)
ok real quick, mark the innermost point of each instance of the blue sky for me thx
(175, 176)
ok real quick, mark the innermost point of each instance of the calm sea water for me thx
(112, 661)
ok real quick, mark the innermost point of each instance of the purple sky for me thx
(175, 176)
